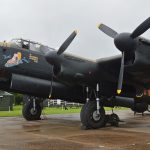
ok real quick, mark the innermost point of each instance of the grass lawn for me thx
(18, 111)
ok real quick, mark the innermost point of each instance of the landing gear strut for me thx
(31, 109)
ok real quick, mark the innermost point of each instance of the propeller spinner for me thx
(125, 42)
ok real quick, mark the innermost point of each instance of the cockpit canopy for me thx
(26, 44)
(29, 45)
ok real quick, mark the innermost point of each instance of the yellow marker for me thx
(76, 31)
(98, 26)
(118, 91)
(49, 96)
(19, 56)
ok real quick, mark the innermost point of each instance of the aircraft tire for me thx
(29, 113)
(82, 117)
(89, 118)
(148, 109)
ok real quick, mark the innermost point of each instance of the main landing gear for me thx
(32, 108)
(90, 118)
(93, 114)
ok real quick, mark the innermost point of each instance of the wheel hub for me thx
(33, 111)
(95, 116)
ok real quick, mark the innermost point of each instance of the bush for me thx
(18, 98)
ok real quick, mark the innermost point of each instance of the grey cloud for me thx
(51, 21)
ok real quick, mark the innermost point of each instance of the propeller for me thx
(67, 42)
(126, 43)
(120, 80)
(54, 57)
(144, 26)
(110, 32)
(51, 86)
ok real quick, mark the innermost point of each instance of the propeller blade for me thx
(67, 42)
(120, 81)
(144, 26)
(51, 86)
(110, 32)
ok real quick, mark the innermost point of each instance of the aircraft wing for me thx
(109, 68)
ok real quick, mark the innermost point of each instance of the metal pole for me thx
(97, 99)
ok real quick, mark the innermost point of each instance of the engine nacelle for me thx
(41, 88)
(129, 103)
(140, 107)
(30, 85)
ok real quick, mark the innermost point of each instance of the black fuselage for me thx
(33, 74)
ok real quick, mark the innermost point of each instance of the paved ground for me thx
(62, 132)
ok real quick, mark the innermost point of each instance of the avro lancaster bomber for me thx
(40, 72)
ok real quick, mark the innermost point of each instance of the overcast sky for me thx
(51, 21)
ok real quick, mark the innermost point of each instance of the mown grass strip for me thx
(17, 111)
